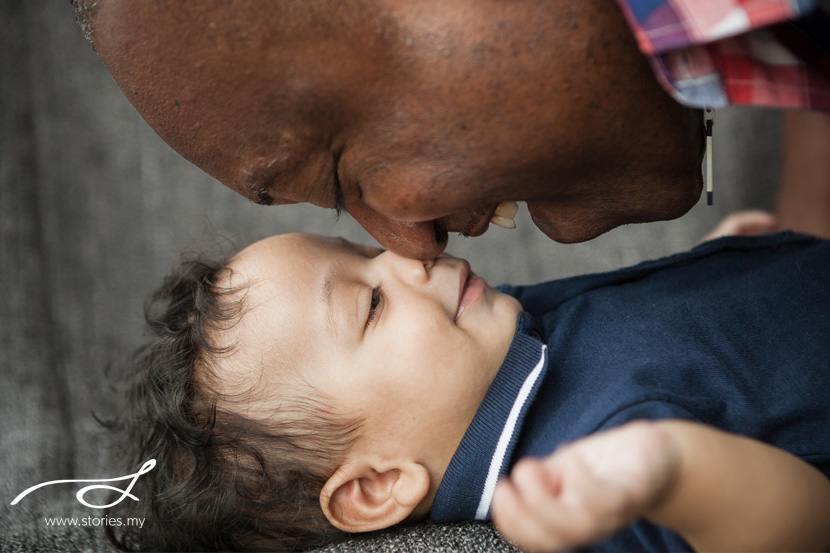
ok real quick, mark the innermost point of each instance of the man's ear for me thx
(359, 498)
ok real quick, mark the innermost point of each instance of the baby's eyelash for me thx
(377, 297)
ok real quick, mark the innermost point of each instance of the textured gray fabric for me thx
(94, 208)
(424, 538)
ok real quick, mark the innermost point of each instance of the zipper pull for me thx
(709, 122)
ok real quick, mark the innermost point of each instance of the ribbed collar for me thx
(485, 450)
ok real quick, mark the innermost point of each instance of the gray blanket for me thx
(94, 209)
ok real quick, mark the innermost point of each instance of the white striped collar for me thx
(485, 451)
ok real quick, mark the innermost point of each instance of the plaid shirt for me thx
(720, 52)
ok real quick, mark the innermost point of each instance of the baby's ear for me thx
(359, 498)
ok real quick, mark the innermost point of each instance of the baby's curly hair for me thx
(222, 481)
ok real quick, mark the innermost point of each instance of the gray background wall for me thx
(94, 208)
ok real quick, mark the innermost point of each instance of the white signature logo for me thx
(145, 468)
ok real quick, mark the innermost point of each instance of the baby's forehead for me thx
(283, 277)
(282, 251)
(280, 280)
(275, 280)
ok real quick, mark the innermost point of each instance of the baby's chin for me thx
(505, 305)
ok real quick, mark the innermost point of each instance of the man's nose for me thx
(424, 241)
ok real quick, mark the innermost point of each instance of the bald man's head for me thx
(418, 118)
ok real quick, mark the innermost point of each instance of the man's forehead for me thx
(227, 83)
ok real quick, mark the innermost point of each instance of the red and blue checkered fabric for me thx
(720, 52)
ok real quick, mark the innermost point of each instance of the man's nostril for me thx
(440, 235)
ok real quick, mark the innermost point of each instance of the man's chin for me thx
(567, 228)
(570, 226)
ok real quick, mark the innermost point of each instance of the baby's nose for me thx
(413, 270)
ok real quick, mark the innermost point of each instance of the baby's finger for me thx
(550, 522)
(588, 509)
(517, 523)
(536, 484)
(579, 515)
(744, 223)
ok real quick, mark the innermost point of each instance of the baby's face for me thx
(408, 346)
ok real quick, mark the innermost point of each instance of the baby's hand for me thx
(744, 223)
(587, 490)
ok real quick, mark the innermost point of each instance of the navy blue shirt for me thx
(734, 334)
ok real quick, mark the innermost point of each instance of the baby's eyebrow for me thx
(327, 295)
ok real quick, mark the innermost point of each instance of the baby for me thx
(310, 387)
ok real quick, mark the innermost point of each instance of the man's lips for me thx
(470, 289)
(471, 223)
(477, 221)
(480, 227)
